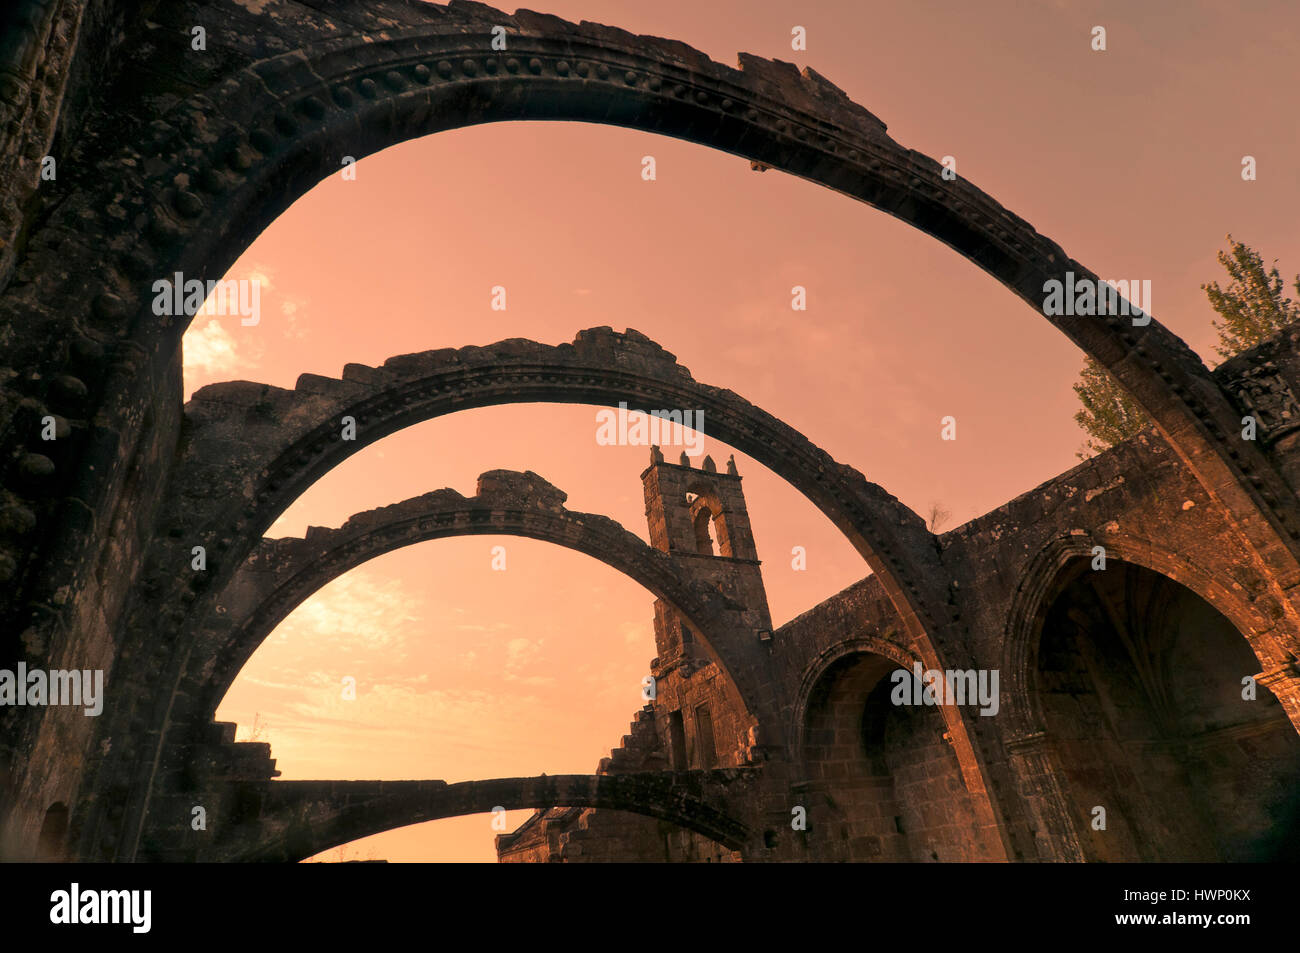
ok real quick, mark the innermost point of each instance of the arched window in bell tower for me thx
(704, 543)
(708, 520)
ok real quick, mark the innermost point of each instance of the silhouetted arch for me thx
(230, 144)
(272, 127)
(225, 154)
(302, 818)
(283, 573)
(273, 443)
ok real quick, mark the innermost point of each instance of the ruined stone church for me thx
(1142, 610)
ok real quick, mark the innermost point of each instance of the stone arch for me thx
(816, 670)
(887, 784)
(1140, 657)
(1043, 572)
(287, 439)
(257, 131)
(282, 573)
(273, 443)
(709, 517)
(230, 148)
(302, 818)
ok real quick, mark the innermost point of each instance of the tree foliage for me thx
(1252, 307)
(1109, 415)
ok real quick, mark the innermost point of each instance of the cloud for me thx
(262, 275)
(355, 614)
(290, 306)
(521, 654)
(210, 351)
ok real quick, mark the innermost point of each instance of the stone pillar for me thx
(1033, 766)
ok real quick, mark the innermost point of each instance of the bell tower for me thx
(699, 517)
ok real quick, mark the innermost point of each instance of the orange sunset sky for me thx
(1129, 158)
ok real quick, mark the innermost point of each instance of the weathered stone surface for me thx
(173, 163)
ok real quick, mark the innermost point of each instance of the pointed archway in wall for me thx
(1164, 748)
(882, 781)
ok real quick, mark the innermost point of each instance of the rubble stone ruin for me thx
(1164, 690)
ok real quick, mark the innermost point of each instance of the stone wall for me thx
(171, 163)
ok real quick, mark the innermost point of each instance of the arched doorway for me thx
(884, 782)
(1143, 694)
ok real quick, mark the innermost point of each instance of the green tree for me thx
(1252, 307)
(1109, 414)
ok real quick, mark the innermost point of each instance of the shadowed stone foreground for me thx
(1161, 685)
